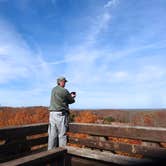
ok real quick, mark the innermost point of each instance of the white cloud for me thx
(151, 74)
(23, 97)
(119, 76)
(18, 62)
(82, 60)
(100, 24)
(111, 3)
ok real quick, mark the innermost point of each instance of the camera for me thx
(74, 93)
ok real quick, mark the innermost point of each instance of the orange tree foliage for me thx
(86, 117)
(28, 115)
(21, 116)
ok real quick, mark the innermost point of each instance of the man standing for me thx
(59, 114)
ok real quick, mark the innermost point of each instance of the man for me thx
(59, 114)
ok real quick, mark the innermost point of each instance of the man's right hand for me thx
(73, 94)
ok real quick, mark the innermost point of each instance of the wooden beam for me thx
(156, 134)
(38, 141)
(80, 161)
(105, 156)
(20, 147)
(37, 159)
(20, 131)
(123, 147)
(14, 146)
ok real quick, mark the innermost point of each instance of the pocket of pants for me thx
(67, 121)
(49, 128)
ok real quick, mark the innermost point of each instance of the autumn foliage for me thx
(29, 115)
(86, 117)
(21, 116)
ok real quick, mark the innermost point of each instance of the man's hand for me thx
(73, 94)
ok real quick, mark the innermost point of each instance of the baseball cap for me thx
(61, 79)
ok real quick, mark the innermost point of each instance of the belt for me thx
(59, 110)
(56, 111)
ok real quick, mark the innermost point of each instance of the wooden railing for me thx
(27, 146)
(21, 140)
(103, 143)
(140, 142)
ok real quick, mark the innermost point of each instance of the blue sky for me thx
(113, 52)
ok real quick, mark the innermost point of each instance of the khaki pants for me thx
(58, 124)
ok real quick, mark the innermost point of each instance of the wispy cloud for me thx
(18, 63)
(111, 3)
(81, 61)
(151, 73)
(16, 58)
(100, 22)
(83, 52)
